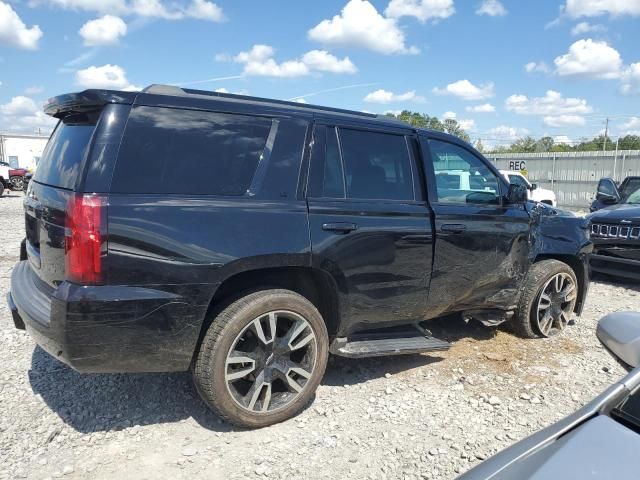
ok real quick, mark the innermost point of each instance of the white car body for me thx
(4, 175)
(537, 194)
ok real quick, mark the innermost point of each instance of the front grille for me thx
(615, 231)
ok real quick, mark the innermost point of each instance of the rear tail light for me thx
(85, 238)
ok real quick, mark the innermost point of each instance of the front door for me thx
(482, 244)
(370, 225)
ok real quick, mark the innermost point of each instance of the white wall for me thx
(26, 148)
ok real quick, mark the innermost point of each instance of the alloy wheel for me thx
(270, 361)
(555, 304)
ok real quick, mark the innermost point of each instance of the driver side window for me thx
(461, 177)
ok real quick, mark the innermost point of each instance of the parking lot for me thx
(417, 416)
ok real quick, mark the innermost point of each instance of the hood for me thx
(599, 449)
(616, 213)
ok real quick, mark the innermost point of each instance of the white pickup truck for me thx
(541, 195)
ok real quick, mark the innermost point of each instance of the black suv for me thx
(247, 238)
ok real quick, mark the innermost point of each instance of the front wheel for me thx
(548, 299)
(262, 358)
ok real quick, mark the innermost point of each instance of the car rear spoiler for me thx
(86, 101)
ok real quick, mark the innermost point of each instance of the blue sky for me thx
(504, 68)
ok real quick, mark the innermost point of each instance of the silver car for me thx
(601, 440)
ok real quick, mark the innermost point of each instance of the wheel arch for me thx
(314, 284)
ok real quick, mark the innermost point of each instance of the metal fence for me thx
(573, 176)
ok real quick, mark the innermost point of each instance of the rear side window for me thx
(377, 165)
(65, 152)
(167, 150)
(327, 178)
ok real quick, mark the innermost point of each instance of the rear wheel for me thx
(548, 299)
(262, 358)
(17, 183)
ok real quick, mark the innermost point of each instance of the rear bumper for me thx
(107, 328)
(616, 266)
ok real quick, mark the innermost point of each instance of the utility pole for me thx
(606, 132)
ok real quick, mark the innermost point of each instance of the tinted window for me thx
(64, 154)
(377, 165)
(461, 177)
(283, 166)
(166, 150)
(326, 177)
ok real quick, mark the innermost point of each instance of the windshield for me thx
(628, 412)
(518, 180)
(634, 198)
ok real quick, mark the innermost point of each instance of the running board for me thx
(381, 344)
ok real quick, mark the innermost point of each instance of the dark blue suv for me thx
(246, 239)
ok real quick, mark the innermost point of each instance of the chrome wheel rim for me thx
(271, 361)
(555, 304)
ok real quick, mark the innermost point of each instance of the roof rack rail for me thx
(173, 90)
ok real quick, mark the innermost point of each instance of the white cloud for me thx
(387, 112)
(106, 76)
(34, 90)
(449, 115)
(561, 121)
(536, 67)
(630, 80)
(484, 108)
(423, 10)
(504, 134)
(360, 25)
(589, 58)
(632, 127)
(259, 61)
(106, 30)
(14, 32)
(19, 105)
(595, 8)
(22, 115)
(299, 100)
(585, 27)
(204, 10)
(552, 104)
(467, 124)
(466, 90)
(323, 61)
(199, 9)
(493, 8)
(385, 96)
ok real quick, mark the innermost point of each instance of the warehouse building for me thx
(22, 151)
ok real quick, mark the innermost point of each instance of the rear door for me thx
(482, 244)
(370, 224)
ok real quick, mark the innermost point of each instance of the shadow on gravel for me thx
(12, 195)
(105, 402)
(102, 402)
(345, 371)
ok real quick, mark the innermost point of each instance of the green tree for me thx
(422, 120)
(545, 144)
(480, 146)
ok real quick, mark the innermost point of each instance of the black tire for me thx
(17, 183)
(231, 326)
(527, 319)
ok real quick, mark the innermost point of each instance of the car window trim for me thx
(263, 163)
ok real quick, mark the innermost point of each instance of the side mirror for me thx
(533, 186)
(620, 334)
(517, 194)
(608, 199)
(608, 191)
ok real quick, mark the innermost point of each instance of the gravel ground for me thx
(417, 416)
